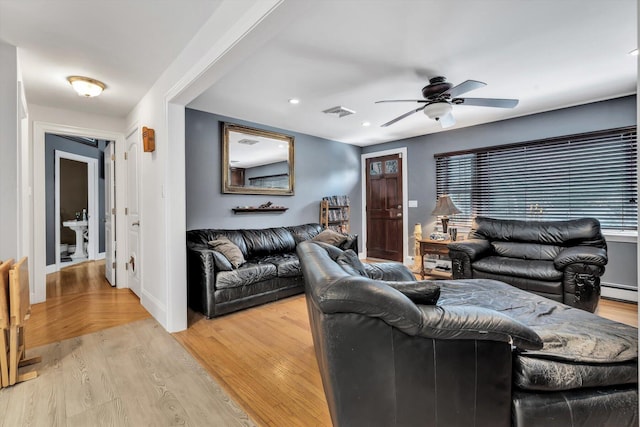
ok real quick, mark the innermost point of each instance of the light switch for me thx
(413, 203)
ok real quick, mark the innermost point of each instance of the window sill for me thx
(629, 236)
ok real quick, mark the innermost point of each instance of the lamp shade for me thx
(86, 86)
(445, 206)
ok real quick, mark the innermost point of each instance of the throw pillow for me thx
(330, 236)
(422, 292)
(350, 263)
(229, 249)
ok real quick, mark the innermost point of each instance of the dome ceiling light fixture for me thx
(86, 86)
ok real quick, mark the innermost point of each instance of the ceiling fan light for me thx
(86, 86)
(437, 109)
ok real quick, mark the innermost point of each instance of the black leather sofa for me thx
(560, 260)
(486, 354)
(271, 271)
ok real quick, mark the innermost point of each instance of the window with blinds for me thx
(587, 175)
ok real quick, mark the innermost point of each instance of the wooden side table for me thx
(434, 247)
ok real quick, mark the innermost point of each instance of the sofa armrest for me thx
(581, 254)
(473, 248)
(476, 323)
(201, 279)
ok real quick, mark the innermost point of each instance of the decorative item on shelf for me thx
(444, 208)
(148, 139)
(417, 236)
(453, 232)
(265, 207)
(438, 236)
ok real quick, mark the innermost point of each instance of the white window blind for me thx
(587, 175)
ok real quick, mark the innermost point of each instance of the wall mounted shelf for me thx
(258, 210)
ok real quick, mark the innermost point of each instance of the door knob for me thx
(399, 206)
(399, 214)
(136, 223)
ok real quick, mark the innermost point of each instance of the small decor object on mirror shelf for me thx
(265, 205)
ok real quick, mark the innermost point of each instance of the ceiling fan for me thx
(440, 96)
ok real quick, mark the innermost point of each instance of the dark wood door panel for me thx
(384, 207)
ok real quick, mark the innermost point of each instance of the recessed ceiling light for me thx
(86, 86)
(366, 124)
(634, 52)
(294, 101)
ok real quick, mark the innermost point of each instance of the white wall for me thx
(8, 152)
(235, 30)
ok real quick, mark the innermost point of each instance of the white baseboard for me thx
(51, 268)
(621, 292)
(101, 255)
(155, 307)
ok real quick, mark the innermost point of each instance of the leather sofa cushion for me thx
(388, 271)
(269, 240)
(287, 265)
(305, 231)
(422, 292)
(247, 274)
(563, 233)
(526, 250)
(553, 290)
(531, 269)
(569, 334)
(350, 263)
(532, 373)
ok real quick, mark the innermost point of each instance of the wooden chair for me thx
(20, 311)
(4, 322)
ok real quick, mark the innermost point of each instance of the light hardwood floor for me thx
(80, 301)
(263, 356)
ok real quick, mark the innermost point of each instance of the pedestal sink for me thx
(80, 227)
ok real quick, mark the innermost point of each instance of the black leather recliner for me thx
(487, 354)
(560, 260)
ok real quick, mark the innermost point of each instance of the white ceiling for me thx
(548, 53)
(126, 44)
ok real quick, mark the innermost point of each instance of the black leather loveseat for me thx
(484, 354)
(561, 260)
(271, 271)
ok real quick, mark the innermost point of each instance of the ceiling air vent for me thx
(247, 141)
(340, 111)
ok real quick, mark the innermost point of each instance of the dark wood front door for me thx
(384, 207)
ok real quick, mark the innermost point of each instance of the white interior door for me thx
(133, 215)
(109, 214)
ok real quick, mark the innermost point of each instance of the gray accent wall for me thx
(322, 168)
(53, 143)
(618, 112)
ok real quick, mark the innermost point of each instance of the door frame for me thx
(402, 151)
(92, 208)
(38, 251)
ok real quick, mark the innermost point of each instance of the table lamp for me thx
(444, 208)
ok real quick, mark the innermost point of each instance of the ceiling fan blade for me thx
(464, 87)
(407, 114)
(401, 100)
(447, 121)
(486, 102)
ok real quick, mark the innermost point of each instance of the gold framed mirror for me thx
(256, 161)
